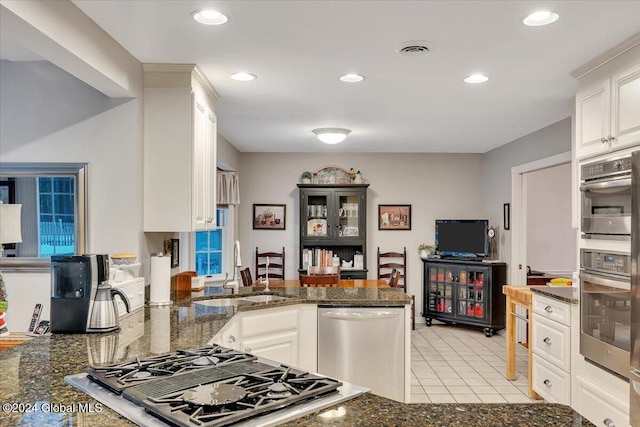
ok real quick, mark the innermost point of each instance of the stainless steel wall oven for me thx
(605, 320)
(606, 199)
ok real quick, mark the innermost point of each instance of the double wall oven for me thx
(605, 275)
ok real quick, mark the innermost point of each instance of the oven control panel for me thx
(606, 262)
(606, 168)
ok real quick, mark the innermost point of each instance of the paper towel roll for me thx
(160, 289)
(160, 330)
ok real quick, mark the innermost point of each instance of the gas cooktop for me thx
(211, 386)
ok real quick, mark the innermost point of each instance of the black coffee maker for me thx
(74, 282)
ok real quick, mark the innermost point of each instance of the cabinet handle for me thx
(547, 340)
(603, 140)
(547, 383)
(611, 138)
(609, 422)
(548, 309)
(231, 339)
(248, 349)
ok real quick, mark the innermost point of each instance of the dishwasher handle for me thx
(359, 315)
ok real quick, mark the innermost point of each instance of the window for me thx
(211, 253)
(56, 218)
(53, 199)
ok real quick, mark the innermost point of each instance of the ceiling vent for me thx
(414, 47)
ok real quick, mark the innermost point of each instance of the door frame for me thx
(518, 274)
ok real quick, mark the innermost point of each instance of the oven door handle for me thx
(605, 185)
(587, 279)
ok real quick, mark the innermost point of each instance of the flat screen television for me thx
(463, 238)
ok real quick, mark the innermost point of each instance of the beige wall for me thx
(435, 185)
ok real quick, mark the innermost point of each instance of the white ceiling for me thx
(407, 103)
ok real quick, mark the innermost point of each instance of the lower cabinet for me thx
(285, 334)
(551, 346)
(282, 347)
(599, 406)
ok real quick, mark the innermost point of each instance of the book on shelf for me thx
(317, 257)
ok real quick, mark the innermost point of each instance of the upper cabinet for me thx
(608, 112)
(180, 131)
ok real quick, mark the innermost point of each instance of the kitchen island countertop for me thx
(33, 373)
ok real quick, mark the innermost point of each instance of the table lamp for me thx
(10, 232)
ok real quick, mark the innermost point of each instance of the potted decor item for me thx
(425, 250)
(306, 177)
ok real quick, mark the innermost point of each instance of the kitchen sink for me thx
(263, 298)
(220, 302)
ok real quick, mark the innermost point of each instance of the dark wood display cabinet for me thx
(333, 219)
(464, 292)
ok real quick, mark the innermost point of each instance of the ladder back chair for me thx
(393, 266)
(320, 280)
(276, 264)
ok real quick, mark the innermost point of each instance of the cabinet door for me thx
(349, 211)
(200, 172)
(471, 296)
(593, 120)
(281, 347)
(625, 102)
(441, 288)
(211, 125)
(314, 213)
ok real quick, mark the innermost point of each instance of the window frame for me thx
(81, 173)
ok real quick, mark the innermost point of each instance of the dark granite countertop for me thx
(34, 371)
(569, 294)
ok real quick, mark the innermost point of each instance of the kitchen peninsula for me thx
(35, 371)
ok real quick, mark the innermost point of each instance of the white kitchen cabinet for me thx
(599, 406)
(608, 113)
(285, 334)
(551, 346)
(180, 131)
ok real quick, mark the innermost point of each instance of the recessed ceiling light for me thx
(352, 78)
(243, 77)
(543, 17)
(476, 78)
(209, 17)
(331, 135)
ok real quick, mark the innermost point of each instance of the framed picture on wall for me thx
(394, 217)
(269, 217)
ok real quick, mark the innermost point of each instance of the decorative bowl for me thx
(123, 259)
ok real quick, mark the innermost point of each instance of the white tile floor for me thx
(456, 364)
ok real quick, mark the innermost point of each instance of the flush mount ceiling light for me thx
(331, 135)
(209, 17)
(543, 17)
(352, 78)
(243, 77)
(476, 78)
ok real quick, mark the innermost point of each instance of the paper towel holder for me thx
(167, 303)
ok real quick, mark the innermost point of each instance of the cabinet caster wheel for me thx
(428, 321)
(488, 332)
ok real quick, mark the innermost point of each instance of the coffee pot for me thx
(104, 313)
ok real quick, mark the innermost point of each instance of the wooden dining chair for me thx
(393, 266)
(247, 280)
(320, 280)
(276, 264)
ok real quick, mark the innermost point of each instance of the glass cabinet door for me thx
(471, 302)
(317, 211)
(349, 215)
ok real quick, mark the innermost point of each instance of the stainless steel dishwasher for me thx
(364, 346)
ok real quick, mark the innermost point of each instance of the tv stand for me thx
(464, 291)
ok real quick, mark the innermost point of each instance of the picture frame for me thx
(506, 213)
(394, 217)
(269, 216)
(607, 210)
